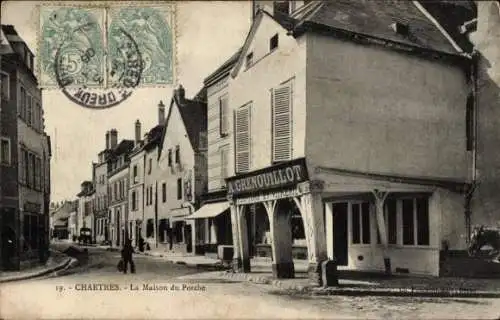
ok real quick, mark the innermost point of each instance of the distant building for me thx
(24, 157)
(136, 186)
(118, 186)
(101, 169)
(182, 175)
(85, 215)
(152, 140)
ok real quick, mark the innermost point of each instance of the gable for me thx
(175, 132)
(257, 40)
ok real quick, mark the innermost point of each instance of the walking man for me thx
(127, 252)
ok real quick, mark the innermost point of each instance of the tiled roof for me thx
(154, 137)
(224, 68)
(374, 18)
(124, 146)
(194, 116)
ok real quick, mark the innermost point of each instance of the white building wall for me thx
(215, 140)
(270, 69)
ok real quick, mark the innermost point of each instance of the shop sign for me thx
(270, 196)
(283, 175)
(32, 207)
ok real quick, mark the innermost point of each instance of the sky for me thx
(208, 33)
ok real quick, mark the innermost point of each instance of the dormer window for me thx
(273, 42)
(400, 28)
(249, 60)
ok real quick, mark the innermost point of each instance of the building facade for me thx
(153, 235)
(323, 158)
(25, 158)
(212, 220)
(100, 173)
(85, 215)
(118, 186)
(183, 170)
(136, 189)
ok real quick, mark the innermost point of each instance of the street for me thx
(182, 292)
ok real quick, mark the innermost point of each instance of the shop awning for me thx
(210, 210)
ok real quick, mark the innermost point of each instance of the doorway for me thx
(188, 237)
(340, 239)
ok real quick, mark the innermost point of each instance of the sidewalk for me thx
(57, 261)
(361, 283)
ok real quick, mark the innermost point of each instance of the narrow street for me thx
(71, 296)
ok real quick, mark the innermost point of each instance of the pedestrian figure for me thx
(127, 252)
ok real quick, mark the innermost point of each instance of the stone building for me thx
(213, 225)
(152, 140)
(85, 212)
(182, 176)
(344, 154)
(25, 157)
(136, 188)
(118, 186)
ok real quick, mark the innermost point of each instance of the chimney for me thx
(113, 138)
(181, 93)
(161, 113)
(107, 140)
(137, 131)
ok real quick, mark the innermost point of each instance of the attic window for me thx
(400, 28)
(249, 60)
(273, 42)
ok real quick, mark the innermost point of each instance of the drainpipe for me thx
(470, 191)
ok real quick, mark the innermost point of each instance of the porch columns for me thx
(379, 208)
(311, 208)
(241, 257)
(281, 241)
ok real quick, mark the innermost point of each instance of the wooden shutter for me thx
(224, 160)
(242, 136)
(282, 123)
(224, 111)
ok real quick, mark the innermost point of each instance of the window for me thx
(179, 189)
(169, 157)
(22, 168)
(147, 196)
(360, 223)
(422, 222)
(5, 156)
(135, 178)
(38, 172)
(177, 154)
(4, 86)
(392, 226)
(224, 165)
(249, 60)
(22, 105)
(28, 110)
(224, 115)
(408, 222)
(27, 167)
(31, 177)
(150, 165)
(151, 195)
(282, 123)
(164, 192)
(273, 42)
(132, 201)
(242, 138)
(150, 228)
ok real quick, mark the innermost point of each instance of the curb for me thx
(215, 265)
(41, 273)
(346, 291)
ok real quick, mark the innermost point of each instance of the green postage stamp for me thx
(108, 45)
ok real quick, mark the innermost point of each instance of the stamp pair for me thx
(97, 55)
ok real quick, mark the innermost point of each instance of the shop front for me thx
(277, 208)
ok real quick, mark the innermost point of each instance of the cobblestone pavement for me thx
(63, 297)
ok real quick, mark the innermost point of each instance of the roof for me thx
(223, 70)
(123, 147)
(154, 137)
(374, 18)
(361, 20)
(193, 113)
